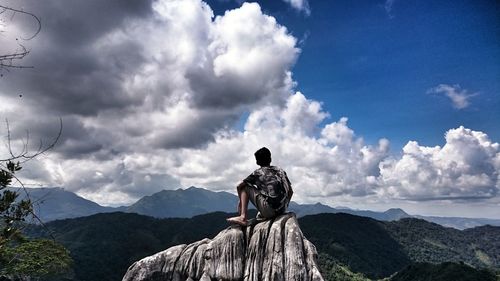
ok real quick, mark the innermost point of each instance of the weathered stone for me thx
(224, 256)
(190, 263)
(269, 250)
(295, 263)
(155, 267)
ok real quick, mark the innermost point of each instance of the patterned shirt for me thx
(259, 178)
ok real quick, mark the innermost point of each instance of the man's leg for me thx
(265, 210)
(242, 205)
(258, 200)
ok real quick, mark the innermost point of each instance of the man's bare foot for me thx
(238, 220)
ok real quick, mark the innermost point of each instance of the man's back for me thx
(273, 183)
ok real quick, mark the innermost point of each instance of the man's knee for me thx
(241, 186)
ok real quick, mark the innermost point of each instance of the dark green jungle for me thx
(350, 247)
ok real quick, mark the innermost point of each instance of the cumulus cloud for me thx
(150, 100)
(321, 161)
(300, 5)
(466, 167)
(140, 78)
(458, 96)
(326, 163)
(168, 64)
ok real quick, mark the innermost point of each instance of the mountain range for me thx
(58, 203)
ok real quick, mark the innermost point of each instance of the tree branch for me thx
(39, 22)
(24, 155)
(9, 60)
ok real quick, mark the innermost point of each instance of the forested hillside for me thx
(103, 246)
(349, 247)
(429, 242)
(446, 271)
(361, 243)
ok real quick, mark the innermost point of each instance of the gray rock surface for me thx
(269, 250)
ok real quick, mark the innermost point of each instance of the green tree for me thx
(12, 211)
(20, 257)
(38, 259)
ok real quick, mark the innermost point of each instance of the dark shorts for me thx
(260, 202)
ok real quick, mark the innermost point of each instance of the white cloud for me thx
(180, 70)
(458, 96)
(466, 167)
(216, 70)
(300, 5)
(180, 79)
(146, 84)
(322, 162)
(320, 166)
(388, 7)
(325, 163)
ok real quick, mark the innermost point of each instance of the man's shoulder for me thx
(259, 170)
(269, 170)
(277, 169)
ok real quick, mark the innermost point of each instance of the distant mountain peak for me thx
(54, 203)
(190, 188)
(184, 203)
(396, 210)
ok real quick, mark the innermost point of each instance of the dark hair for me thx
(263, 157)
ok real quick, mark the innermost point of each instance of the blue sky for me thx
(375, 66)
(398, 105)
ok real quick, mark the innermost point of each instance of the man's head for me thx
(263, 157)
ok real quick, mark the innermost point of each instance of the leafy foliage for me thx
(447, 271)
(360, 243)
(21, 258)
(350, 247)
(333, 270)
(11, 211)
(485, 240)
(41, 258)
(103, 246)
(429, 242)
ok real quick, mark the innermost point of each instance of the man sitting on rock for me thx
(268, 188)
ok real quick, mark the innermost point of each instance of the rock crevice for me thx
(268, 250)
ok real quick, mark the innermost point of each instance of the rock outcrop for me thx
(268, 250)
